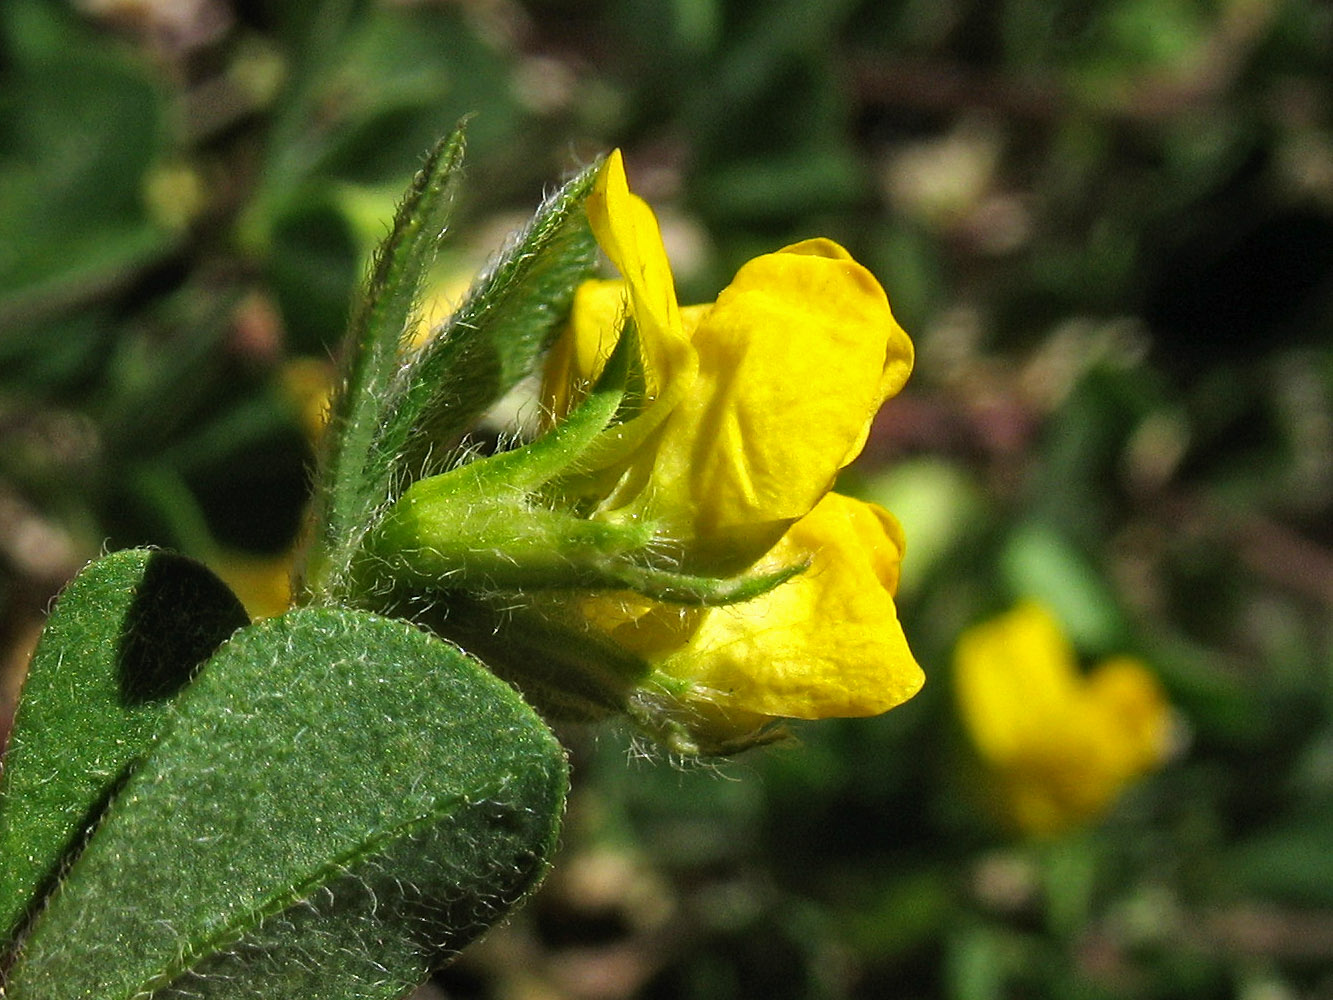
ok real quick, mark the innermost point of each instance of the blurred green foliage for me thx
(1109, 229)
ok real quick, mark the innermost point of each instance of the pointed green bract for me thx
(356, 468)
(500, 333)
(341, 802)
(401, 413)
(122, 640)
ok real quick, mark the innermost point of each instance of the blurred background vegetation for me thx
(1108, 228)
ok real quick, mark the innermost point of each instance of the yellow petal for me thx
(1134, 705)
(899, 353)
(793, 360)
(826, 643)
(1014, 677)
(756, 402)
(262, 582)
(307, 383)
(627, 231)
(576, 358)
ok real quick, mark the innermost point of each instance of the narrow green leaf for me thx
(355, 469)
(340, 803)
(501, 331)
(124, 637)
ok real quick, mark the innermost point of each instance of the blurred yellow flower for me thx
(1060, 745)
(307, 385)
(750, 408)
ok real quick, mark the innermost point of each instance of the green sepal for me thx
(484, 526)
(671, 587)
(497, 547)
(556, 453)
(494, 546)
(657, 711)
(339, 803)
(125, 636)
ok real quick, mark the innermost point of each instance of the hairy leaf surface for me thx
(122, 640)
(340, 803)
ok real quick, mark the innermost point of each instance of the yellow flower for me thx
(1061, 745)
(751, 406)
(307, 384)
(754, 403)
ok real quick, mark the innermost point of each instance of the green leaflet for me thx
(341, 801)
(124, 637)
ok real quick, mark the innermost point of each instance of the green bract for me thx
(398, 411)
